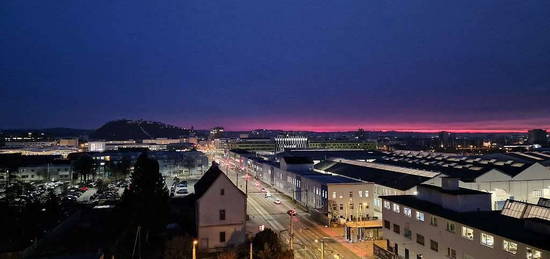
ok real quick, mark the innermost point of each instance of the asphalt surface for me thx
(264, 211)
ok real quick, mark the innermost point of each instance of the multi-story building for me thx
(342, 144)
(385, 179)
(216, 132)
(290, 142)
(330, 198)
(537, 136)
(521, 176)
(252, 144)
(220, 211)
(453, 222)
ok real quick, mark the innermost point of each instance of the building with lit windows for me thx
(290, 142)
(453, 222)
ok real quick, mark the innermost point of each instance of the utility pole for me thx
(291, 214)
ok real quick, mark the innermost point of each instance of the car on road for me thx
(267, 195)
(277, 201)
(264, 190)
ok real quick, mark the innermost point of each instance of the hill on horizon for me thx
(137, 130)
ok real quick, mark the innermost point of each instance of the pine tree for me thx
(147, 196)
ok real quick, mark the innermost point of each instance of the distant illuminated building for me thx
(447, 139)
(290, 142)
(216, 133)
(537, 136)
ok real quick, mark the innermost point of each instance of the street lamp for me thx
(322, 241)
(195, 242)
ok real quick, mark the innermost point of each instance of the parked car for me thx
(277, 201)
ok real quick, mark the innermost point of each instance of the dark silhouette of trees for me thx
(121, 168)
(266, 245)
(147, 197)
(84, 166)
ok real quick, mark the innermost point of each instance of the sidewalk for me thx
(362, 249)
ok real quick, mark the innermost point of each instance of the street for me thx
(264, 211)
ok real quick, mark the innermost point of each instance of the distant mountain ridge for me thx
(137, 130)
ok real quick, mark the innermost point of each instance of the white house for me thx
(220, 211)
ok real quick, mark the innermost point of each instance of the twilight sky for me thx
(289, 64)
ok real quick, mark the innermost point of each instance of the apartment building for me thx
(453, 222)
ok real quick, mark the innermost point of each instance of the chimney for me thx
(449, 183)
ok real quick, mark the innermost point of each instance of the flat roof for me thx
(487, 221)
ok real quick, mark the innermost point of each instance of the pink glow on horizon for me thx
(504, 126)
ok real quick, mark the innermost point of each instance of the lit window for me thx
(533, 254)
(433, 221)
(361, 194)
(407, 212)
(366, 193)
(334, 195)
(468, 233)
(487, 240)
(510, 246)
(396, 208)
(420, 216)
(387, 205)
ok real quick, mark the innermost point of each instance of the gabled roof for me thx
(202, 186)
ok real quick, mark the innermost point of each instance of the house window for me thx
(386, 224)
(434, 245)
(532, 253)
(360, 194)
(222, 214)
(396, 228)
(387, 205)
(451, 227)
(351, 194)
(420, 216)
(222, 192)
(420, 239)
(451, 253)
(487, 240)
(351, 206)
(433, 221)
(407, 211)
(408, 233)
(396, 208)
(510, 246)
(222, 236)
(341, 206)
(334, 195)
(468, 233)
(366, 193)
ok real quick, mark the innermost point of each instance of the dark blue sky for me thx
(307, 64)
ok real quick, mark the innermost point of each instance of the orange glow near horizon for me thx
(488, 127)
